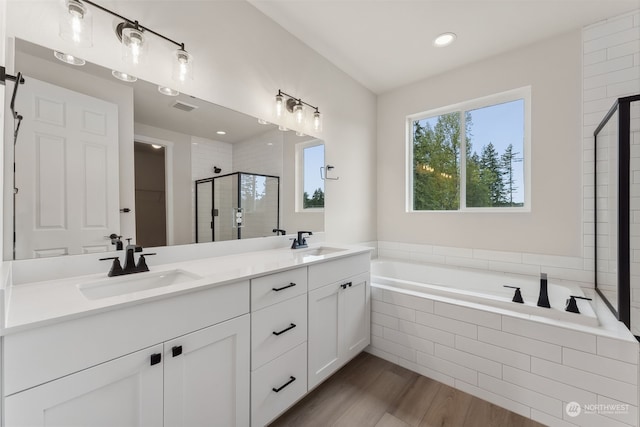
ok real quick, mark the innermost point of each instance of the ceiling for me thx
(384, 44)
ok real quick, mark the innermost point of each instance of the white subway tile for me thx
(393, 348)
(469, 360)
(393, 310)
(619, 37)
(551, 334)
(614, 389)
(409, 341)
(550, 387)
(548, 420)
(593, 94)
(552, 260)
(384, 320)
(467, 262)
(511, 257)
(628, 415)
(394, 254)
(429, 373)
(607, 28)
(521, 344)
(507, 267)
(522, 395)
(376, 330)
(573, 274)
(592, 419)
(626, 351)
(608, 66)
(501, 401)
(450, 325)
(495, 353)
(448, 368)
(600, 106)
(625, 49)
(604, 366)
(409, 301)
(425, 257)
(471, 315)
(595, 57)
(453, 252)
(376, 293)
(427, 333)
(624, 88)
(382, 354)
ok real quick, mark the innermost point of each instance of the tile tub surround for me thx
(523, 363)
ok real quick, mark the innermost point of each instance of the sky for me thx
(313, 160)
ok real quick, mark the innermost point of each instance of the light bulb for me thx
(298, 112)
(317, 121)
(133, 45)
(182, 66)
(279, 105)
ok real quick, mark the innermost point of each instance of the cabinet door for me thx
(123, 392)
(207, 376)
(324, 344)
(355, 317)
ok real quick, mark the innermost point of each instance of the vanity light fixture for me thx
(123, 76)
(168, 91)
(76, 27)
(295, 106)
(444, 39)
(68, 59)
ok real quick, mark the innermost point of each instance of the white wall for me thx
(242, 59)
(553, 226)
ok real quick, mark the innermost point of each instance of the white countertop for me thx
(36, 304)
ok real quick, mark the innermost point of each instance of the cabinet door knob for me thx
(291, 379)
(156, 358)
(284, 287)
(293, 325)
(176, 351)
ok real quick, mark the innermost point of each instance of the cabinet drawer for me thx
(274, 288)
(333, 271)
(288, 375)
(276, 329)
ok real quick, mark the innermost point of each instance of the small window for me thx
(310, 188)
(471, 156)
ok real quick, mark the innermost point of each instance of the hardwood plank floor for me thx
(371, 392)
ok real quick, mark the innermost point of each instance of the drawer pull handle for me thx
(290, 285)
(293, 325)
(156, 358)
(291, 379)
(176, 351)
(344, 285)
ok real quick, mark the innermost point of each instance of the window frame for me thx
(299, 171)
(523, 93)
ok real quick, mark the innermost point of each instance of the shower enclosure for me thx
(238, 205)
(617, 210)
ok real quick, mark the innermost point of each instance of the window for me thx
(471, 156)
(310, 193)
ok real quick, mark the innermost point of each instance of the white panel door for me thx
(207, 381)
(356, 317)
(124, 392)
(324, 334)
(66, 172)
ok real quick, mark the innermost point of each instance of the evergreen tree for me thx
(491, 174)
(508, 158)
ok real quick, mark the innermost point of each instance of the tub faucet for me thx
(300, 242)
(543, 298)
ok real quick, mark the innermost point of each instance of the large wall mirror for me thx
(97, 156)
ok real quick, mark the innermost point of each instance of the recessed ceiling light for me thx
(221, 132)
(444, 39)
(123, 76)
(168, 91)
(156, 146)
(69, 59)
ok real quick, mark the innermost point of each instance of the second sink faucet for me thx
(130, 265)
(300, 242)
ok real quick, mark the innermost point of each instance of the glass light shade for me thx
(75, 24)
(182, 66)
(279, 105)
(317, 121)
(123, 76)
(168, 91)
(282, 128)
(69, 59)
(298, 113)
(134, 46)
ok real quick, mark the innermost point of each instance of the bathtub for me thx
(481, 287)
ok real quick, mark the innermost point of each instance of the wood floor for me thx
(370, 391)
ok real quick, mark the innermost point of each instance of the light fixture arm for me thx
(134, 23)
(298, 100)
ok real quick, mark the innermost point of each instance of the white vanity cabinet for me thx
(339, 314)
(278, 343)
(200, 377)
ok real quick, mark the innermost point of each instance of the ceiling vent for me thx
(183, 106)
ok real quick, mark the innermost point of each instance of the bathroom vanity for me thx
(232, 340)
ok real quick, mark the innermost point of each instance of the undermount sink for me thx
(322, 250)
(122, 285)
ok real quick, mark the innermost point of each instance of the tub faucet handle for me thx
(572, 305)
(517, 296)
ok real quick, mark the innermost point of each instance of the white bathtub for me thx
(481, 287)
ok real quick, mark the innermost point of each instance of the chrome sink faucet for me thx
(130, 265)
(300, 242)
